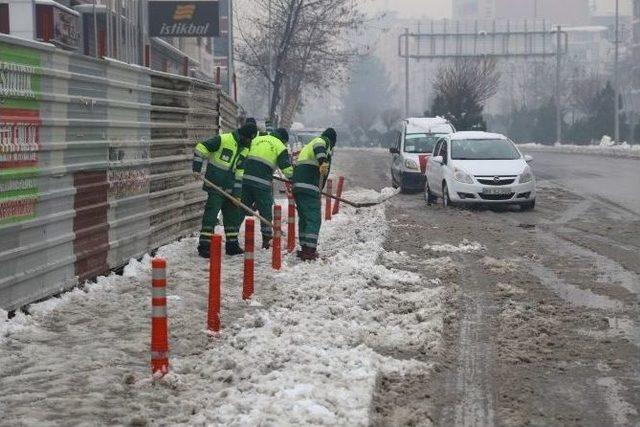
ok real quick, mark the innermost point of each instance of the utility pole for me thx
(558, 85)
(406, 73)
(616, 78)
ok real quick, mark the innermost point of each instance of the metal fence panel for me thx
(95, 160)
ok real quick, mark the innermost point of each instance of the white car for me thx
(414, 139)
(479, 168)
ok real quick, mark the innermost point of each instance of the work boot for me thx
(233, 248)
(266, 242)
(203, 251)
(309, 254)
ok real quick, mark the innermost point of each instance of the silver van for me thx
(414, 140)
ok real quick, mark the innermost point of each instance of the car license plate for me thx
(496, 191)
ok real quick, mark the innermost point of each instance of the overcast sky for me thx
(413, 8)
(442, 8)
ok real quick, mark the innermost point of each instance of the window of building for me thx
(4, 18)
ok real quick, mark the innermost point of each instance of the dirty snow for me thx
(605, 147)
(465, 246)
(306, 350)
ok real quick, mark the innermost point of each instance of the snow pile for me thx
(466, 246)
(306, 350)
(606, 147)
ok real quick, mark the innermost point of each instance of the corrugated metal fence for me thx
(95, 161)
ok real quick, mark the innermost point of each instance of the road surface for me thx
(544, 324)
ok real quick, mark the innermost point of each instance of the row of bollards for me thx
(159, 322)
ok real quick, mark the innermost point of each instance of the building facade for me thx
(565, 12)
(118, 29)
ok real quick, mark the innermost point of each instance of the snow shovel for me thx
(340, 199)
(239, 204)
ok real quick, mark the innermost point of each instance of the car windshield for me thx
(420, 142)
(483, 149)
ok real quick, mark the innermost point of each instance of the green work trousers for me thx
(231, 218)
(260, 198)
(309, 217)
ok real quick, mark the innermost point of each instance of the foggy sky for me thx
(442, 8)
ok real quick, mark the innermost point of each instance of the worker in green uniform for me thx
(267, 153)
(312, 169)
(225, 155)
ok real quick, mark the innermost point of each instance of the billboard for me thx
(195, 18)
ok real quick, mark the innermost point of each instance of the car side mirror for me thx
(437, 159)
(394, 150)
(528, 158)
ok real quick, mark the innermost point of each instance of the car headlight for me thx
(411, 164)
(526, 176)
(461, 176)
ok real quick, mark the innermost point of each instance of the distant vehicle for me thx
(480, 168)
(306, 135)
(414, 140)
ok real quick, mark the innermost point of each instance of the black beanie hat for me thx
(249, 130)
(281, 134)
(331, 134)
(250, 120)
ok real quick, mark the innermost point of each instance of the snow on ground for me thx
(465, 246)
(606, 147)
(306, 350)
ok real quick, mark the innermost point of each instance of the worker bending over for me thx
(267, 153)
(312, 169)
(225, 155)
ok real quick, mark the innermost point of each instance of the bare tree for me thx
(462, 88)
(584, 92)
(302, 46)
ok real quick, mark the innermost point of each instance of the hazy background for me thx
(442, 8)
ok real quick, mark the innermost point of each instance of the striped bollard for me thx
(336, 204)
(215, 273)
(291, 226)
(327, 208)
(249, 248)
(159, 327)
(276, 254)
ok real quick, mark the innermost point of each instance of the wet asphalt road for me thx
(543, 323)
(616, 180)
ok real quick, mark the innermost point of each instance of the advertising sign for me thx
(19, 133)
(195, 18)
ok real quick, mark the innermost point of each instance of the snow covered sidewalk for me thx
(306, 350)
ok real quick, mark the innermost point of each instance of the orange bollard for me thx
(327, 208)
(336, 204)
(249, 248)
(291, 226)
(159, 328)
(215, 274)
(276, 254)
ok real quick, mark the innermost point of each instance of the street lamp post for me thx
(616, 77)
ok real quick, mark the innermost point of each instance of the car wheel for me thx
(528, 206)
(428, 195)
(393, 181)
(446, 201)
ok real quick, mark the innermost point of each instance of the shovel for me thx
(239, 204)
(340, 199)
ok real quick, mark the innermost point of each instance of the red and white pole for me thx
(159, 327)
(249, 250)
(336, 204)
(291, 226)
(215, 274)
(327, 208)
(276, 254)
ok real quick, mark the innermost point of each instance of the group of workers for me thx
(242, 164)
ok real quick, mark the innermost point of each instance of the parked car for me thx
(413, 142)
(481, 168)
